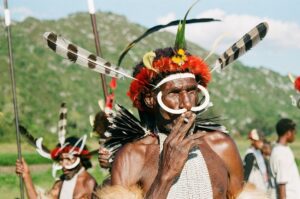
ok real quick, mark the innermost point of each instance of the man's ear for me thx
(150, 100)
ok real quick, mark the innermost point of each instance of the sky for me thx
(278, 51)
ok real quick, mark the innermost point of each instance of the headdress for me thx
(72, 146)
(256, 135)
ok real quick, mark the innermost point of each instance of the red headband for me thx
(57, 151)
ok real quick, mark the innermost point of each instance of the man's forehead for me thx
(66, 155)
(182, 83)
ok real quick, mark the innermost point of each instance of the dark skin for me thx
(138, 162)
(84, 187)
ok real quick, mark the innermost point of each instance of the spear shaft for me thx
(91, 7)
(13, 85)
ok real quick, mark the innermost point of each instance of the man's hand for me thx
(103, 157)
(22, 168)
(177, 147)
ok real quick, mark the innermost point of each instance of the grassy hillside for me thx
(245, 97)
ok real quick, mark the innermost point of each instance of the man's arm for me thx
(227, 150)
(248, 165)
(281, 190)
(128, 165)
(23, 170)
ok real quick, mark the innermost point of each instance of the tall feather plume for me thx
(30, 139)
(62, 123)
(156, 29)
(78, 55)
(243, 45)
(180, 42)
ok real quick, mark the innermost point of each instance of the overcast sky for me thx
(279, 50)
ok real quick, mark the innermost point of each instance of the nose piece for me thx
(185, 101)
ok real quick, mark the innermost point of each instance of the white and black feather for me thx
(239, 48)
(78, 55)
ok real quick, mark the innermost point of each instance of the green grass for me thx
(9, 159)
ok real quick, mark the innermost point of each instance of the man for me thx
(178, 159)
(255, 170)
(283, 163)
(75, 182)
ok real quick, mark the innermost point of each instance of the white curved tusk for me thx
(206, 102)
(55, 168)
(40, 150)
(163, 106)
(92, 120)
(83, 139)
(72, 166)
(201, 107)
(291, 78)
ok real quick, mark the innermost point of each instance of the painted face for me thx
(66, 160)
(177, 94)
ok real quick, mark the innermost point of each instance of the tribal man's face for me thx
(66, 159)
(177, 94)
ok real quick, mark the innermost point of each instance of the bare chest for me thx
(217, 170)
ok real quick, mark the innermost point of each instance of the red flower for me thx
(297, 84)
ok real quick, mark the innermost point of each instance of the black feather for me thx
(30, 139)
(157, 28)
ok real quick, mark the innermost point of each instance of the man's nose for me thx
(63, 163)
(185, 101)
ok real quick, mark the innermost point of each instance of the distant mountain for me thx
(245, 97)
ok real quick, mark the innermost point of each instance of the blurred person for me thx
(75, 182)
(255, 170)
(283, 163)
(266, 151)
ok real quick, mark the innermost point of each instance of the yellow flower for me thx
(180, 57)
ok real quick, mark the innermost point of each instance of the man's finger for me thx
(175, 129)
(186, 127)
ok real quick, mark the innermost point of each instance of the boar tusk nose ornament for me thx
(201, 107)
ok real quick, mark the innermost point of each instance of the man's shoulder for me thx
(139, 148)
(280, 152)
(218, 137)
(141, 145)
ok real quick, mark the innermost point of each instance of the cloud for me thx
(279, 50)
(167, 18)
(282, 34)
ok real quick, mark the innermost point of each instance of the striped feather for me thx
(62, 123)
(78, 55)
(243, 45)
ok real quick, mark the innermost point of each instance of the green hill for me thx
(245, 97)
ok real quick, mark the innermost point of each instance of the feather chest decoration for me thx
(80, 56)
(123, 128)
(239, 48)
